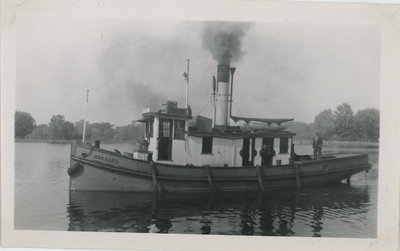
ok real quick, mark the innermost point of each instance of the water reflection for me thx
(270, 213)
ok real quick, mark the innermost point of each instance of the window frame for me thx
(166, 129)
(181, 130)
(150, 129)
(284, 150)
(207, 140)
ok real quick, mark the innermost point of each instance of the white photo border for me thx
(386, 16)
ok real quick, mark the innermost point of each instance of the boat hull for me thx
(94, 169)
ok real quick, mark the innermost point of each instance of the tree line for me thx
(60, 129)
(342, 125)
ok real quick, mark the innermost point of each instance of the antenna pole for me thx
(84, 123)
(187, 85)
(213, 100)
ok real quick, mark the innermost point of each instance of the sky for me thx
(284, 71)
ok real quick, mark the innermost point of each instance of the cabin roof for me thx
(238, 135)
(145, 119)
(171, 111)
(266, 120)
(150, 115)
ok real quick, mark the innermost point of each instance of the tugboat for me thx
(187, 153)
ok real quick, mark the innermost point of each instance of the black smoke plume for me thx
(224, 40)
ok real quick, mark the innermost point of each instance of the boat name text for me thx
(106, 159)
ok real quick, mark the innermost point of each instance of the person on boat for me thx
(266, 154)
(317, 145)
(293, 155)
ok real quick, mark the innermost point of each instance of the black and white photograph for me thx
(185, 127)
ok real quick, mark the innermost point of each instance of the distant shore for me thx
(348, 144)
(65, 141)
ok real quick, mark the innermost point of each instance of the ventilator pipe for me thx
(232, 70)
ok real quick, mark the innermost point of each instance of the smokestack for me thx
(222, 95)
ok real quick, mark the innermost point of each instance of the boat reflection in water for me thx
(330, 211)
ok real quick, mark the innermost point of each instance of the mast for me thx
(84, 123)
(187, 85)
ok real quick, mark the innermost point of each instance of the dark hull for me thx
(94, 169)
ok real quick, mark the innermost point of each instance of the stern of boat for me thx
(332, 168)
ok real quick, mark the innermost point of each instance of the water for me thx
(43, 202)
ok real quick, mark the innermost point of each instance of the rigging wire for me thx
(246, 126)
(237, 109)
(210, 111)
(203, 108)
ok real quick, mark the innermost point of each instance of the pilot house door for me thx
(248, 152)
(165, 140)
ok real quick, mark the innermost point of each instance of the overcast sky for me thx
(287, 70)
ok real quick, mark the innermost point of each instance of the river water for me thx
(43, 202)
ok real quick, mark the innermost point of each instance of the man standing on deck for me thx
(317, 145)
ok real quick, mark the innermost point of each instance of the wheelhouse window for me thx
(179, 129)
(166, 129)
(207, 145)
(149, 129)
(284, 145)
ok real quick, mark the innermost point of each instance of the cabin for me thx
(175, 136)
